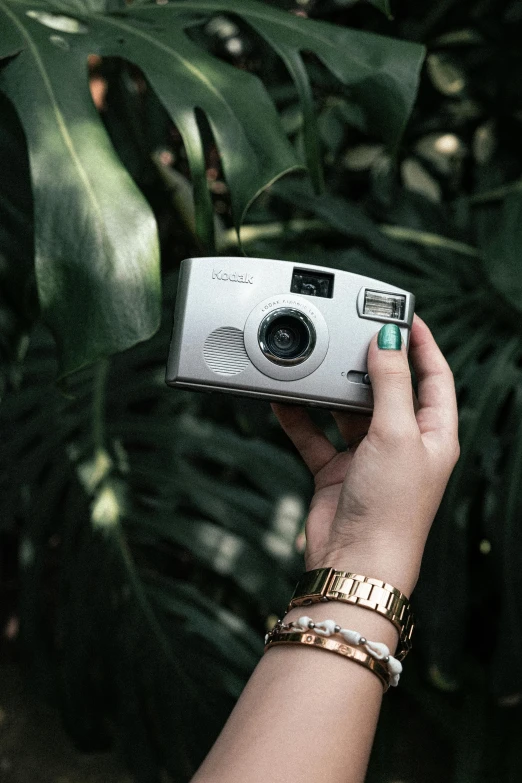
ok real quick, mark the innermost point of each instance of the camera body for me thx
(280, 331)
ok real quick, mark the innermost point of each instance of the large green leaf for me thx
(96, 249)
(98, 281)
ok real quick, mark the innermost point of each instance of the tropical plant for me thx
(131, 506)
(98, 281)
(154, 540)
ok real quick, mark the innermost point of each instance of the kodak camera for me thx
(280, 331)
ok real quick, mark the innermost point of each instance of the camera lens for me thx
(285, 339)
(286, 336)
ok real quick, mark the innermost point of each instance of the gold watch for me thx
(327, 584)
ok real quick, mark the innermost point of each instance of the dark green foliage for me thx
(156, 529)
(175, 537)
(17, 291)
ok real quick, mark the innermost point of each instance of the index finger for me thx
(436, 389)
(311, 443)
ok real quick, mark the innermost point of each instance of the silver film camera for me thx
(280, 331)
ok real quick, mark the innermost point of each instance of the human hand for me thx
(374, 503)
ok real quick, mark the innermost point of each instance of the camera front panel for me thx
(277, 317)
(279, 330)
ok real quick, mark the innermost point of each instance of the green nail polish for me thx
(389, 338)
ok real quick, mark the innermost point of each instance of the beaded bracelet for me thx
(377, 650)
(379, 668)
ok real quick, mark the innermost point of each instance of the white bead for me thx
(377, 649)
(325, 628)
(352, 637)
(394, 666)
(303, 622)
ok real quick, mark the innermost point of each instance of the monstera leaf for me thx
(96, 248)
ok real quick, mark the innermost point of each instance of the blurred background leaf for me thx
(175, 538)
(18, 302)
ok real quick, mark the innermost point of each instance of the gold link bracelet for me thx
(326, 584)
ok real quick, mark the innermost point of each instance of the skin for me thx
(305, 711)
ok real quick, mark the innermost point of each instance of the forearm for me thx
(306, 709)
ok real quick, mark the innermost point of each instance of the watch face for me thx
(313, 583)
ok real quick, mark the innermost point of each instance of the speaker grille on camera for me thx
(224, 351)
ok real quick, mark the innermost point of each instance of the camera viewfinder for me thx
(312, 283)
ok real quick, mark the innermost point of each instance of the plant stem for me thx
(268, 231)
(403, 234)
(399, 233)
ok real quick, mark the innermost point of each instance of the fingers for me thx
(436, 389)
(312, 444)
(394, 413)
(352, 426)
(415, 401)
(397, 412)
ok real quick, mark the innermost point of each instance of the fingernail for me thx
(389, 338)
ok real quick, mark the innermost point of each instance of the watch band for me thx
(327, 584)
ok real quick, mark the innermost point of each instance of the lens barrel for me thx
(286, 336)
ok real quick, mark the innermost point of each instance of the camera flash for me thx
(383, 305)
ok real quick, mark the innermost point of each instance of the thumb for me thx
(390, 375)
